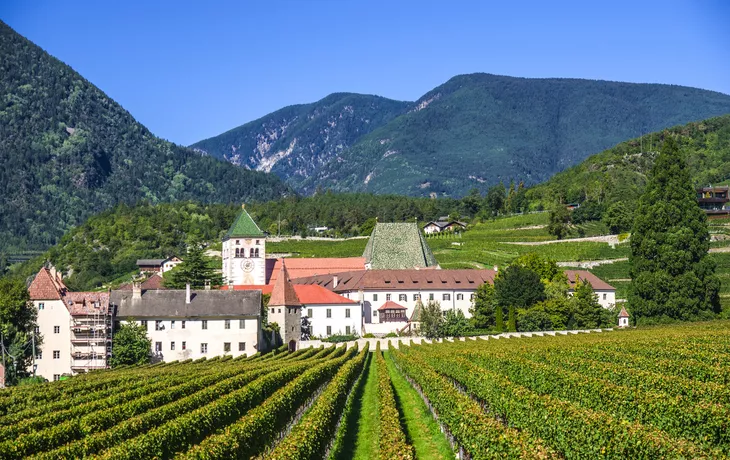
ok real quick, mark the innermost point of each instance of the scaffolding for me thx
(91, 338)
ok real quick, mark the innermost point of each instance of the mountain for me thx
(620, 173)
(472, 131)
(68, 151)
(296, 141)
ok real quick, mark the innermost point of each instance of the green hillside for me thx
(478, 129)
(619, 173)
(295, 141)
(68, 151)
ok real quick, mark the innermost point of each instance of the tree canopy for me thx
(17, 326)
(672, 275)
(131, 345)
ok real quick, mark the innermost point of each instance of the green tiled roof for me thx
(244, 227)
(398, 246)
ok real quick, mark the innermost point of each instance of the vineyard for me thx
(646, 393)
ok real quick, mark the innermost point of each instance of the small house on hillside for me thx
(158, 265)
(439, 226)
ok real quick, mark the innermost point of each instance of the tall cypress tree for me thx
(498, 319)
(672, 275)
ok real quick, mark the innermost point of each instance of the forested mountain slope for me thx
(478, 129)
(296, 141)
(68, 151)
(619, 173)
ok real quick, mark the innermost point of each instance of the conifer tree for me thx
(196, 269)
(498, 319)
(672, 275)
(512, 321)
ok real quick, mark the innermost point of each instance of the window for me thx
(172, 346)
(375, 313)
(205, 324)
(56, 377)
(226, 347)
(182, 326)
(459, 296)
(204, 348)
(273, 310)
(56, 329)
(604, 296)
(39, 355)
(387, 296)
(144, 323)
(329, 330)
(329, 313)
(347, 312)
(238, 242)
(56, 354)
(158, 347)
(172, 324)
(227, 324)
(258, 242)
(430, 296)
(416, 297)
(241, 346)
(41, 306)
(280, 310)
(471, 297)
(242, 324)
(375, 297)
(159, 326)
(446, 297)
(309, 312)
(347, 330)
(184, 345)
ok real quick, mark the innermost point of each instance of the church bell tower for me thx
(244, 252)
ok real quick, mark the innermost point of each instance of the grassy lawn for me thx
(362, 425)
(421, 429)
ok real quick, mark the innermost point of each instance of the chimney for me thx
(136, 290)
(187, 293)
(335, 282)
(207, 285)
(54, 275)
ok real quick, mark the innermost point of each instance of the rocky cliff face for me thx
(296, 141)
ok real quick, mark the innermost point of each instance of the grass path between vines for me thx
(363, 426)
(422, 430)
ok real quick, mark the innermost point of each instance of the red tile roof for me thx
(390, 305)
(597, 283)
(154, 282)
(283, 293)
(307, 294)
(623, 313)
(45, 287)
(311, 266)
(421, 280)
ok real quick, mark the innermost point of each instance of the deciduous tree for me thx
(131, 345)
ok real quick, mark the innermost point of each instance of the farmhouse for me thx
(183, 323)
(439, 226)
(76, 327)
(158, 265)
(605, 293)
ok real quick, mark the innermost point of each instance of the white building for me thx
(158, 265)
(244, 252)
(76, 327)
(186, 324)
(605, 293)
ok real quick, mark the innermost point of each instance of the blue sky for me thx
(191, 70)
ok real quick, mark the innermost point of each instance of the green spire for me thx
(244, 226)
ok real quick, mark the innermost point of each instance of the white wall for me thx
(607, 299)
(53, 313)
(338, 322)
(371, 305)
(232, 265)
(194, 335)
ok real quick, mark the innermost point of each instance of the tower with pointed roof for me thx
(244, 252)
(285, 309)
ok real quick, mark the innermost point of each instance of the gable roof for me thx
(47, 285)
(398, 246)
(283, 293)
(155, 281)
(406, 280)
(171, 303)
(596, 283)
(86, 303)
(244, 227)
(307, 294)
(311, 266)
(150, 262)
(623, 313)
(416, 315)
(390, 305)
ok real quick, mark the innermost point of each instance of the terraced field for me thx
(646, 393)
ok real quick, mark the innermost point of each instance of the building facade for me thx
(76, 327)
(244, 252)
(185, 324)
